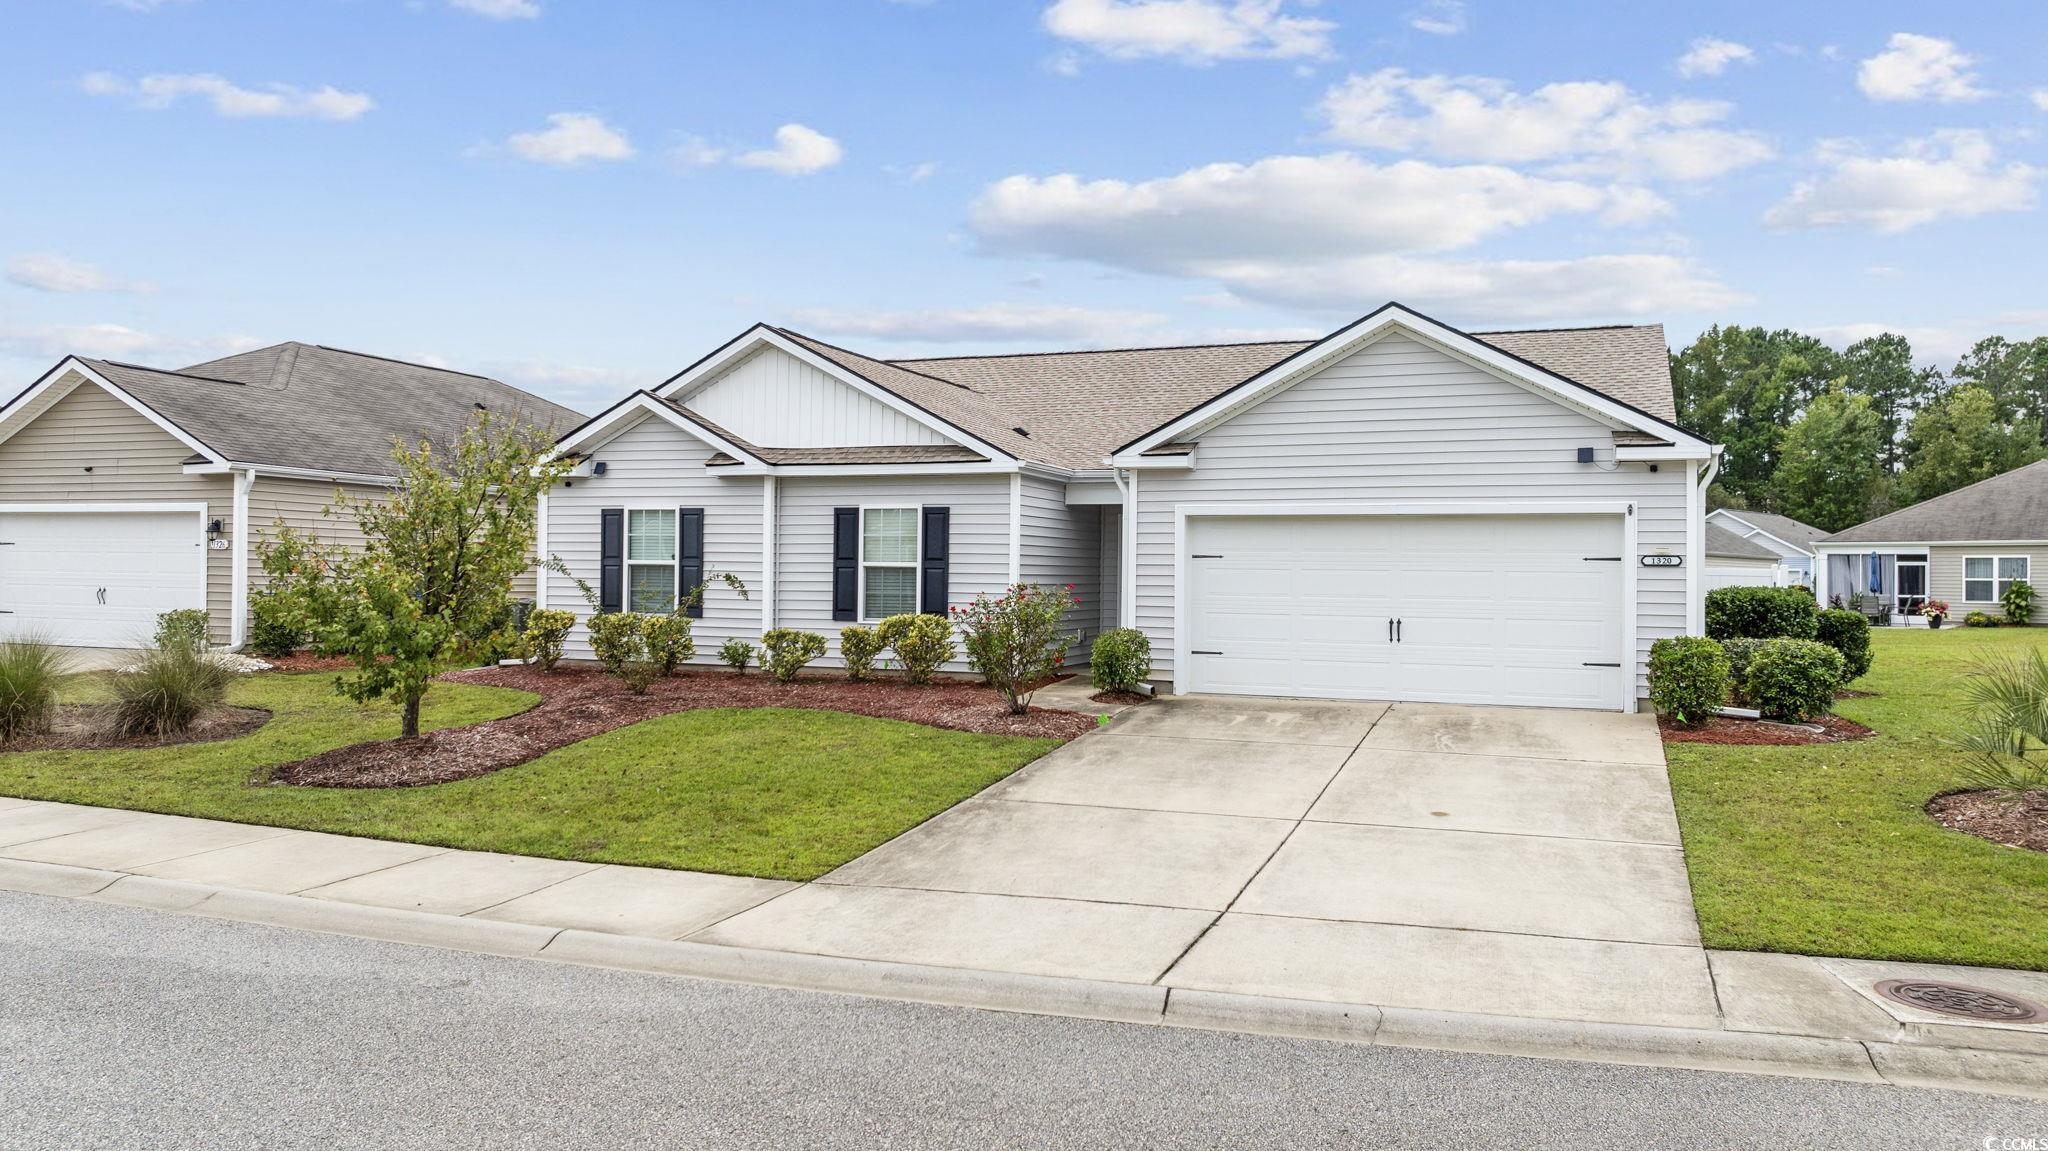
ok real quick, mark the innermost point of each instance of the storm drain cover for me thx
(1963, 1000)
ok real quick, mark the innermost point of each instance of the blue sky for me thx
(582, 197)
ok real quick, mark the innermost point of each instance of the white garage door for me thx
(1523, 610)
(1737, 575)
(98, 579)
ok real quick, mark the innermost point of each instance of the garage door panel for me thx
(98, 578)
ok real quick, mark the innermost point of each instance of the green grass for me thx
(770, 792)
(1826, 850)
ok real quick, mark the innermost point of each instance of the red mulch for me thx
(304, 661)
(1130, 697)
(2013, 819)
(578, 703)
(81, 726)
(1763, 733)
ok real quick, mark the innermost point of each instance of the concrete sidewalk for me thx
(1774, 1014)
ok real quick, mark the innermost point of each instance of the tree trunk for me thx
(409, 727)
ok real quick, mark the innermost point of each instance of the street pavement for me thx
(124, 1028)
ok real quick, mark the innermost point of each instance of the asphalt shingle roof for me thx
(2012, 506)
(308, 406)
(1784, 527)
(1724, 544)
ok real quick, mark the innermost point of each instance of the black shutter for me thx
(938, 526)
(690, 556)
(611, 580)
(845, 563)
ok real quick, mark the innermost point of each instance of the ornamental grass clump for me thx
(166, 691)
(30, 671)
(2007, 739)
(1015, 640)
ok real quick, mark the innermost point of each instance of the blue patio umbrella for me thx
(1876, 574)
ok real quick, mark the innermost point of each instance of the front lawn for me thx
(1825, 849)
(779, 793)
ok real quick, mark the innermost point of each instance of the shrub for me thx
(921, 643)
(276, 629)
(786, 651)
(1760, 613)
(1014, 640)
(1794, 678)
(1688, 678)
(185, 626)
(670, 641)
(736, 654)
(1848, 633)
(1120, 660)
(166, 690)
(30, 670)
(2008, 736)
(546, 631)
(859, 646)
(1740, 652)
(615, 637)
(1979, 619)
(2018, 602)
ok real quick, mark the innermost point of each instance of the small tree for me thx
(435, 572)
(1015, 641)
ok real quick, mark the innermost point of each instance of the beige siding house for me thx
(128, 491)
(1963, 549)
(1400, 510)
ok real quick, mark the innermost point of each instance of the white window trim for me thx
(860, 556)
(1997, 597)
(674, 563)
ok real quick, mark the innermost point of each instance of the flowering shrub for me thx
(1015, 640)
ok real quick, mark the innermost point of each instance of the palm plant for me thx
(2007, 741)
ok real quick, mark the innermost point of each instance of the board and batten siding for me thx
(773, 399)
(654, 464)
(1063, 545)
(1945, 577)
(1399, 421)
(132, 461)
(980, 540)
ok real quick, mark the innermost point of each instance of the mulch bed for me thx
(77, 726)
(1129, 697)
(2013, 819)
(578, 703)
(304, 661)
(1763, 733)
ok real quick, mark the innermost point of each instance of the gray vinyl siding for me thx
(132, 461)
(1945, 577)
(1063, 545)
(980, 539)
(1399, 421)
(654, 464)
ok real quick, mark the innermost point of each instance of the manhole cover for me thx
(1960, 999)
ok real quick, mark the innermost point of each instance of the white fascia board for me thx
(1394, 317)
(1860, 549)
(988, 468)
(51, 378)
(759, 336)
(235, 467)
(630, 411)
(1658, 454)
(1755, 531)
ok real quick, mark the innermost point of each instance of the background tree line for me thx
(1836, 437)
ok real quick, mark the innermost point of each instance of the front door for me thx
(1912, 585)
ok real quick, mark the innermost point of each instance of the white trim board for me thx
(627, 414)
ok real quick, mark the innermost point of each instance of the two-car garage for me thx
(93, 575)
(1518, 609)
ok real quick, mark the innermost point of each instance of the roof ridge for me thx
(164, 371)
(407, 363)
(1579, 328)
(1096, 351)
(792, 333)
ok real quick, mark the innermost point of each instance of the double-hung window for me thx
(1986, 578)
(888, 562)
(651, 560)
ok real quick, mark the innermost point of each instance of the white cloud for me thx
(1584, 127)
(161, 90)
(1439, 17)
(798, 151)
(499, 9)
(578, 386)
(1914, 67)
(987, 323)
(2040, 97)
(1709, 56)
(1944, 175)
(1192, 31)
(117, 342)
(1479, 292)
(52, 273)
(913, 173)
(572, 138)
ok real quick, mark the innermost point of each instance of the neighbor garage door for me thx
(1523, 609)
(98, 578)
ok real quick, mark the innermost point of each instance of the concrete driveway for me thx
(1495, 860)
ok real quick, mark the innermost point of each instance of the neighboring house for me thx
(1399, 510)
(1964, 548)
(1791, 541)
(127, 491)
(1733, 561)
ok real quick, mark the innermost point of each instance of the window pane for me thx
(891, 591)
(651, 535)
(1977, 567)
(650, 588)
(1978, 591)
(889, 535)
(2012, 567)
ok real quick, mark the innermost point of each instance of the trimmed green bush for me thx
(615, 638)
(30, 671)
(1979, 619)
(1761, 613)
(670, 642)
(1794, 679)
(921, 643)
(1688, 678)
(546, 631)
(859, 646)
(1740, 651)
(2018, 602)
(275, 627)
(185, 626)
(167, 690)
(1120, 660)
(1849, 633)
(785, 651)
(736, 654)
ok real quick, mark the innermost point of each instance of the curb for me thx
(1899, 1064)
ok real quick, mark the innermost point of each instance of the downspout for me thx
(1127, 551)
(767, 554)
(238, 562)
(1696, 607)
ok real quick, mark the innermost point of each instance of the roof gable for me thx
(1792, 535)
(1724, 544)
(772, 397)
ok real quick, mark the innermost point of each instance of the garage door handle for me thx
(1397, 631)
(1205, 556)
(1602, 559)
(1199, 651)
(1590, 663)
